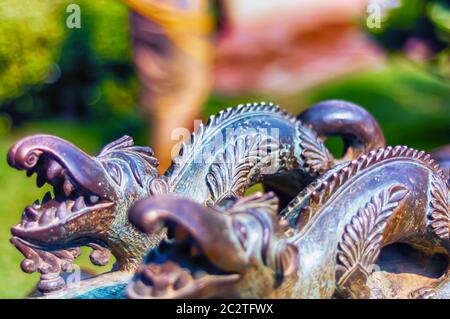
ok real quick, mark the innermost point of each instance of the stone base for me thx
(105, 286)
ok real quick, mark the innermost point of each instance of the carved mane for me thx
(140, 159)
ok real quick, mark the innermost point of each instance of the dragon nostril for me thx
(61, 212)
(32, 213)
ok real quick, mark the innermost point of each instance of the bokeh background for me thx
(130, 69)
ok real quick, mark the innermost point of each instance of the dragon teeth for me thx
(30, 225)
(69, 205)
(31, 213)
(62, 212)
(79, 204)
(67, 187)
(47, 217)
(93, 199)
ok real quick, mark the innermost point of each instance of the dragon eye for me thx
(114, 171)
(241, 231)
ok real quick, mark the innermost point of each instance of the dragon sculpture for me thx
(344, 235)
(239, 147)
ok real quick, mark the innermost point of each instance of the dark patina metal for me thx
(317, 233)
(326, 243)
(237, 148)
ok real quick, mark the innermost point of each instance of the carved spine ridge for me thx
(324, 188)
(197, 137)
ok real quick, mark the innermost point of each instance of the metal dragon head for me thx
(91, 195)
(234, 252)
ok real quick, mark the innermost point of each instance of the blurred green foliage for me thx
(56, 72)
(425, 19)
(30, 41)
(412, 106)
(418, 22)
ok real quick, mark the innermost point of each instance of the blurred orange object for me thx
(173, 54)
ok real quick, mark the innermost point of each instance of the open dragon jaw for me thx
(374, 223)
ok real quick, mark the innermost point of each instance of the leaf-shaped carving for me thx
(439, 212)
(229, 175)
(361, 242)
(317, 159)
